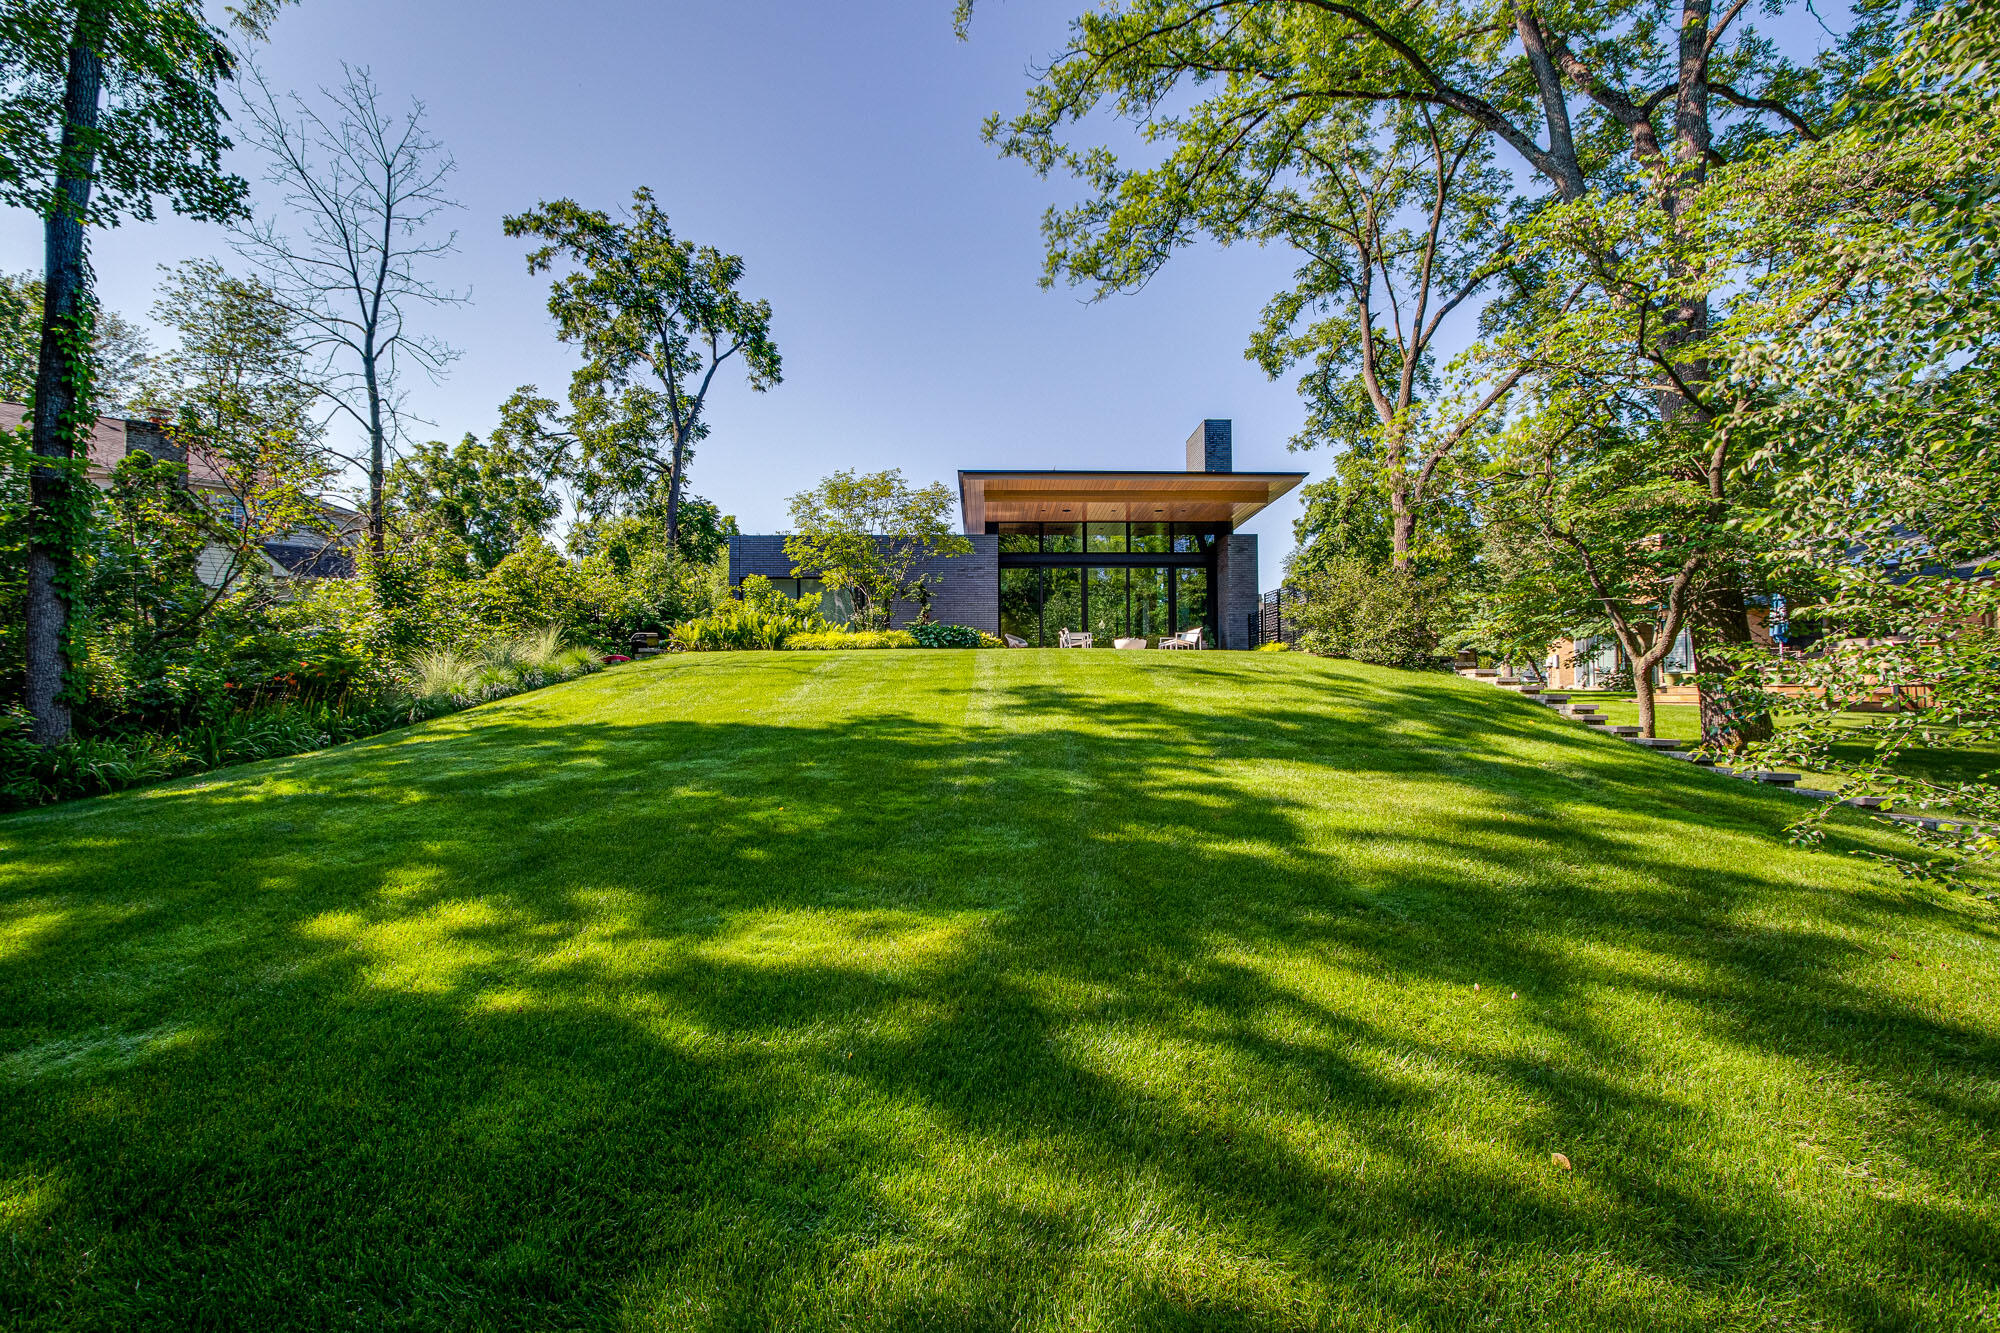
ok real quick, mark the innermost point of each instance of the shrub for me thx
(946, 636)
(1276, 646)
(765, 618)
(838, 639)
(1382, 616)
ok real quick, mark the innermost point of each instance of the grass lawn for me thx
(1683, 721)
(993, 990)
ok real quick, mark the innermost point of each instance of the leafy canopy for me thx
(869, 534)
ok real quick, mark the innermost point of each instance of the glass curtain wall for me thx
(1062, 603)
(1105, 593)
(1111, 592)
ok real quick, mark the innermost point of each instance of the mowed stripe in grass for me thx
(987, 989)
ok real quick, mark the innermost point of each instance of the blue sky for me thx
(837, 149)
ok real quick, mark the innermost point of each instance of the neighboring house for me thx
(1118, 554)
(306, 553)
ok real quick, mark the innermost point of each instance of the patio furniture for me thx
(1128, 644)
(1013, 642)
(1185, 639)
(1067, 640)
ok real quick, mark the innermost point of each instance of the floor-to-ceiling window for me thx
(1114, 580)
(1104, 600)
(1062, 602)
(1147, 598)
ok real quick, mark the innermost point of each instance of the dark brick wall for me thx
(1236, 574)
(1208, 449)
(967, 589)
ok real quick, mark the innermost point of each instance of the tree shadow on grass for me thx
(1131, 1010)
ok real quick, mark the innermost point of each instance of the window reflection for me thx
(1062, 603)
(1062, 538)
(1021, 605)
(1020, 538)
(1106, 605)
(1106, 537)
(1191, 602)
(1148, 598)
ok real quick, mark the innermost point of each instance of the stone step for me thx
(1818, 794)
(1661, 743)
(1769, 778)
(1629, 733)
(1699, 759)
(1866, 802)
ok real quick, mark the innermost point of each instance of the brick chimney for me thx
(1208, 447)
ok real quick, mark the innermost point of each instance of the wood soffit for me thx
(1106, 497)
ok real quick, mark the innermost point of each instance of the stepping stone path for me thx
(1589, 715)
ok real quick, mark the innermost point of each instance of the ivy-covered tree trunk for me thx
(62, 395)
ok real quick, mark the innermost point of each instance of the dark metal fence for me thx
(1276, 621)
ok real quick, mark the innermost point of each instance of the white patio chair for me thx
(1013, 642)
(1065, 639)
(1185, 639)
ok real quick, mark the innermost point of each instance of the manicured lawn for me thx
(1683, 721)
(1006, 990)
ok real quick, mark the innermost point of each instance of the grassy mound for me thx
(1002, 989)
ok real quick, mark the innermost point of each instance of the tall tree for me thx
(63, 156)
(1860, 376)
(365, 187)
(1585, 99)
(657, 318)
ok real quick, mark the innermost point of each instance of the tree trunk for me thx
(674, 494)
(61, 401)
(1403, 530)
(1642, 692)
(1728, 720)
(378, 524)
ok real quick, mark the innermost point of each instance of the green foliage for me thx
(867, 534)
(1369, 613)
(764, 618)
(492, 497)
(161, 134)
(841, 639)
(930, 634)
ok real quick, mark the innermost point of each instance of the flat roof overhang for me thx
(1108, 497)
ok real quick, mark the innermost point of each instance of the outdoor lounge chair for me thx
(1013, 642)
(1067, 640)
(1185, 639)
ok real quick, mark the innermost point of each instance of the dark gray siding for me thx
(1236, 573)
(966, 589)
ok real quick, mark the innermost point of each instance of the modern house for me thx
(324, 552)
(1116, 554)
